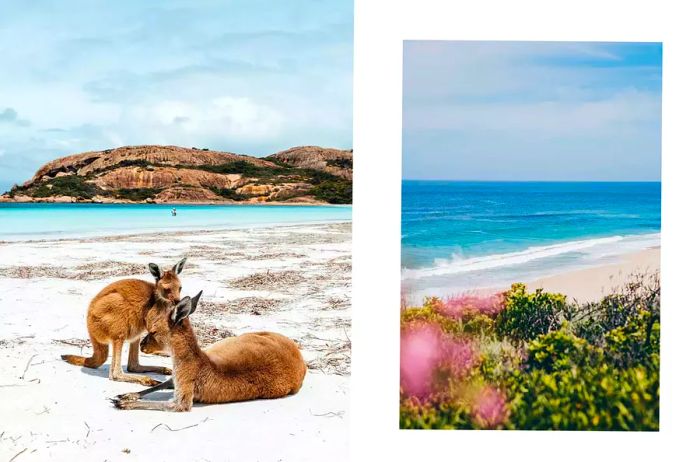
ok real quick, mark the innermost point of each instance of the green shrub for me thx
(469, 324)
(554, 378)
(585, 398)
(560, 350)
(477, 324)
(427, 313)
(636, 343)
(340, 163)
(229, 193)
(69, 185)
(242, 167)
(642, 294)
(444, 415)
(499, 359)
(527, 315)
(136, 194)
(337, 191)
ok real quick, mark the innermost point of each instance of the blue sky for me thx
(507, 111)
(245, 76)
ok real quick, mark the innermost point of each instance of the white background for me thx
(380, 27)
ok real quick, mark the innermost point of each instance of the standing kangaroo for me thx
(120, 313)
(250, 366)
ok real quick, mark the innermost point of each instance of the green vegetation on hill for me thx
(136, 194)
(341, 163)
(244, 168)
(533, 361)
(326, 187)
(69, 185)
(229, 194)
(333, 191)
(78, 187)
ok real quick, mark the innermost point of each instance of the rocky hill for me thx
(333, 161)
(172, 174)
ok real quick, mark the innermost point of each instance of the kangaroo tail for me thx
(98, 358)
(74, 360)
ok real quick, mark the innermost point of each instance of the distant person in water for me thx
(173, 212)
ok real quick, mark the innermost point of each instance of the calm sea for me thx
(44, 221)
(458, 236)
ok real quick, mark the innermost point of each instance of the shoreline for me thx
(169, 232)
(223, 203)
(587, 284)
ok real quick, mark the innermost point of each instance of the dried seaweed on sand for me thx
(208, 333)
(333, 356)
(85, 272)
(244, 305)
(268, 280)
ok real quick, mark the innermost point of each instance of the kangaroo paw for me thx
(126, 397)
(150, 382)
(118, 403)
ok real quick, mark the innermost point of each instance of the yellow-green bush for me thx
(527, 315)
(559, 366)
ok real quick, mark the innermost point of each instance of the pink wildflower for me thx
(425, 348)
(489, 407)
(458, 355)
(458, 306)
(420, 355)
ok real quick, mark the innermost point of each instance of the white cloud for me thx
(531, 110)
(188, 122)
(628, 110)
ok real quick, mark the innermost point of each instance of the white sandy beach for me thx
(592, 284)
(581, 285)
(294, 280)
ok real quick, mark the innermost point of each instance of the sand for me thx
(294, 280)
(591, 284)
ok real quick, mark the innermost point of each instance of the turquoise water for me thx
(462, 235)
(49, 221)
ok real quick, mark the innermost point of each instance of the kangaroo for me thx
(120, 313)
(250, 366)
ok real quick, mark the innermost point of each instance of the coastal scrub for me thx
(532, 360)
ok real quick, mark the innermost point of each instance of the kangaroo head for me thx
(186, 307)
(168, 284)
(158, 339)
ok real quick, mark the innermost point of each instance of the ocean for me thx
(50, 221)
(459, 236)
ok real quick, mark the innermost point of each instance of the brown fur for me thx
(251, 366)
(120, 313)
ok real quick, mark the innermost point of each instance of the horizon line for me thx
(530, 181)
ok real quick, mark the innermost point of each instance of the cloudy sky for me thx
(244, 76)
(508, 111)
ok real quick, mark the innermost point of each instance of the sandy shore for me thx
(592, 284)
(290, 279)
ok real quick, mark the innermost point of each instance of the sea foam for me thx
(588, 248)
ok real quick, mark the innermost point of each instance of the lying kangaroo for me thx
(250, 366)
(120, 313)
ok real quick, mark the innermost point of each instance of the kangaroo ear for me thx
(195, 300)
(178, 267)
(155, 271)
(181, 310)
